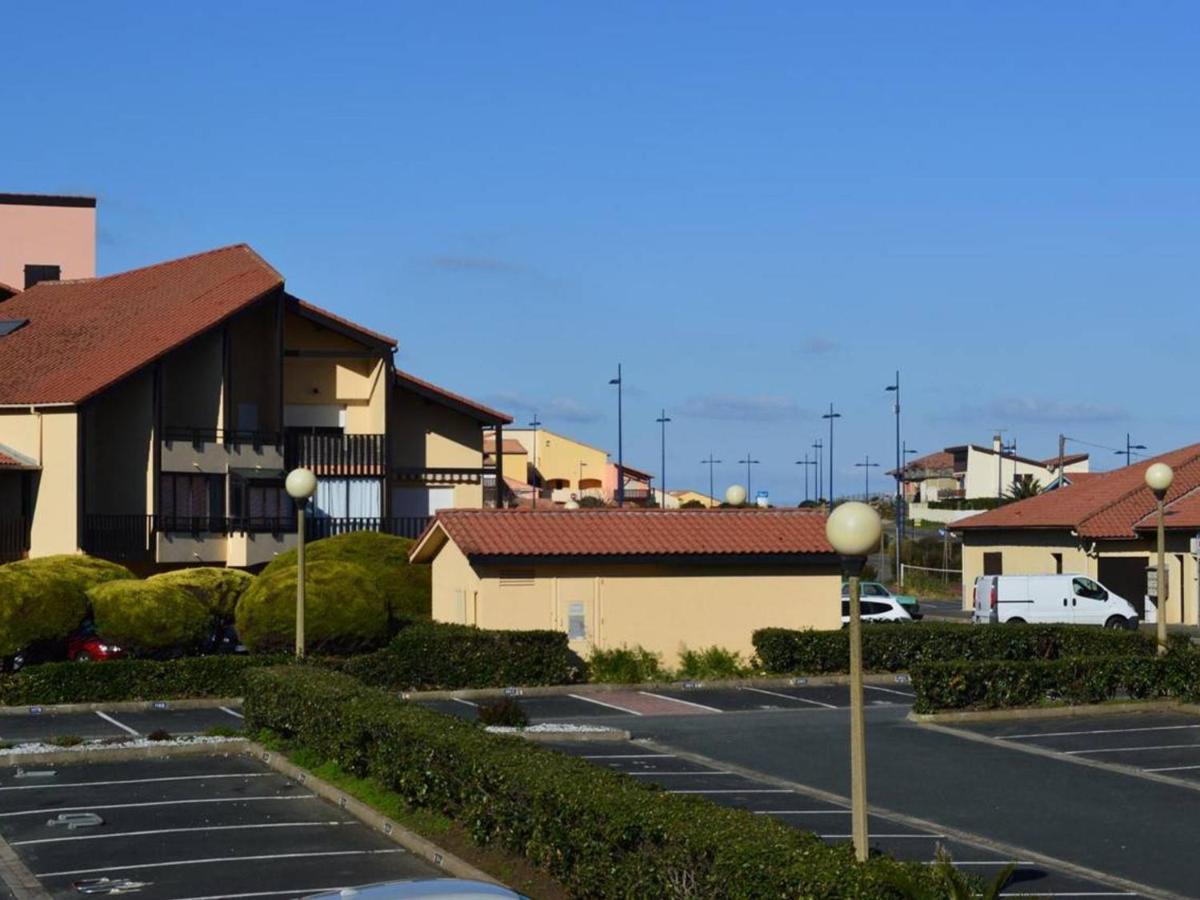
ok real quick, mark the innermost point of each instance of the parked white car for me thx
(877, 609)
(1065, 599)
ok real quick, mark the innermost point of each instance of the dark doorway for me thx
(1126, 575)
(993, 564)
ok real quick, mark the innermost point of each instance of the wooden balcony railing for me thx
(336, 454)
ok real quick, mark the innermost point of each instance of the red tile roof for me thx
(511, 445)
(1068, 460)
(936, 461)
(1099, 505)
(85, 335)
(7, 291)
(431, 391)
(616, 532)
(1180, 514)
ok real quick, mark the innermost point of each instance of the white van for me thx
(1070, 599)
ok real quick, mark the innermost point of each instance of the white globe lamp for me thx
(735, 495)
(1159, 477)
(300, 485)
(853, 529)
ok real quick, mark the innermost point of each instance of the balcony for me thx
(334, 453)
(14, 538)
(218, 450)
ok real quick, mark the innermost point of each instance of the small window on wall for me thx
(576, 623)
(1057, 563)
(993, 564)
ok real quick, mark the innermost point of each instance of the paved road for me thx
(40, 726)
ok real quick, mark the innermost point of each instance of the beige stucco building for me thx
(1101, 525)
(150, 416)
(45, 236)
(660, 579)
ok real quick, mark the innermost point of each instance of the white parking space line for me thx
(232, 712)
(801, 812)
(988, 862)
(83, 784)
(1172, 769)
(875, 687)
(1132, 749)
(464, 702)
(58, 809)
(630, 756)
(629, 712)
(656, 774)
(1072, 894)
(107, 718)
(790, 697)
(734, 791)
(218, 860)
(1041, 734)
(677, 700)
(126, 834)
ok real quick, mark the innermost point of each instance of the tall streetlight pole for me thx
(867, 466)
(1128, 451)
(819, 477)
(748, 462)
(853, 530)
(895, 387)
(620, 440)
(579, 483)
(662, 420)
(806, 462)
(300, 484)
(710, 462)
(1158, 478)
(535, 425)
(831, 415)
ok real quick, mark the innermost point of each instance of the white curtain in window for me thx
(330, 501)
(365, 498)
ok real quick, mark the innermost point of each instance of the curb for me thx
(1122, 707)
(570, 737)
(35, 709)
(398, 834)
(100, 753)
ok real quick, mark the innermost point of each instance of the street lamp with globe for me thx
(735, 495)
(1158, 478)
(853, 530)
(301, 484)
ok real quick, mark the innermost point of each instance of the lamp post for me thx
(867, 466)
(1158, 478)
(620, 440)
(710, 462)
(806, 462)
(301, 484)
(831, 415)
(905, 453)
(535, 424)
(853, 530)
(818, 478)
(1128, 451)
(747, 462)
(579, 483)
(895, 387)
(662, 420)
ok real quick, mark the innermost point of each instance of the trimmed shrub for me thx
(505, 712)
(219, 589)
(344, 611)
(626, 665)
(712, 662)
(129, 679)
(45, 599)
(434, 656)
(1000, 684)
(407, 587)
(600, 833)
(895, 648)
(147, 617)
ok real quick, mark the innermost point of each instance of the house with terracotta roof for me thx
(1101, 525)
(609, 578)
(150, 416)
(933, 483)
(564, 469)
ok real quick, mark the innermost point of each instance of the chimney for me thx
(35, 273)
(996, 444)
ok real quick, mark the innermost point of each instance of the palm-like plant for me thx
(1024, 487)
(955, 884)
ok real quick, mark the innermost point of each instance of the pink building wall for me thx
(38, 229)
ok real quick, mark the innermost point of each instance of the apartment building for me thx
(150, 416)
(562, 469)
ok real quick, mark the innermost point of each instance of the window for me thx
(1085, 587)
(576, 623)
(993, 564)
(190, 502)
(260, 504)
(1057, 563)
(870, 589)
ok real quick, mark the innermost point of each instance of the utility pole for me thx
(620, 441)
(867, 466)
(748, 462)
(1129, 448)
(831, 415)
(535, 425)
(899, 472)
(662, 473)
(710, 462)
(818, 477)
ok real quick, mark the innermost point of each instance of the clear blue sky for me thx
(757, 208)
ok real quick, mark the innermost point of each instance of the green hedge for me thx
(600, 833)
(218, 588)
(146, 617)
(433, 656)
(896, 648)
(45, 599)
(344, 610)
(129, 679)
(1000, 684)
(407, 587)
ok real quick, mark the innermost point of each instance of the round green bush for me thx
(217, 588)
(406, 586)
(45, 599)
(344, 610)
(149, 616)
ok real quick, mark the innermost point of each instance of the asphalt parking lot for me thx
(36, 725)
(830, 821)
(585, 704)
(197, 827)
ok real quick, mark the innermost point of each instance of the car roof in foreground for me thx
(442, 888)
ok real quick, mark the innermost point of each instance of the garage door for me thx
(1126, 575)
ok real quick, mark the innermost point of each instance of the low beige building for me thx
(1101, 525)
(661, 579)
